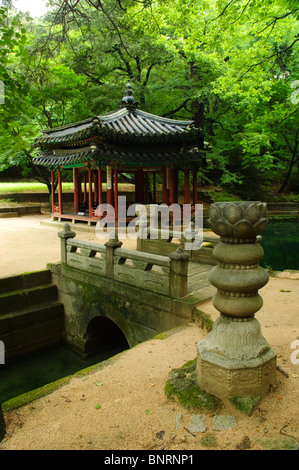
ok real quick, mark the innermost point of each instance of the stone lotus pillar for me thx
(234, 360)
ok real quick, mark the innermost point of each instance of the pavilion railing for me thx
(163, 274)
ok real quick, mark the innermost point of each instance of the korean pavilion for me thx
(124, 143)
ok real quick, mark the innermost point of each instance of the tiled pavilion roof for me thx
(127, 136)
(122, 125)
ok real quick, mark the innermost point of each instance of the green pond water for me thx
(281, 246)
(46, 367)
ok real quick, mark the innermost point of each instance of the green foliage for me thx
(232, 66)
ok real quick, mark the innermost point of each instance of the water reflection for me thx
(281, 246)
(46, 367)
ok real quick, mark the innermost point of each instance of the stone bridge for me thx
(108, 290)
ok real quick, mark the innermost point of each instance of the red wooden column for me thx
(176, 185)
(84, 187)
(115, 193)
(172, 186)
(187, 187)
(60, 208)
(100, 187)
(109, 185)
(53, 191)
(76, 190)
(96, 191)
(79, 188)
(195, 196)
(90, 208)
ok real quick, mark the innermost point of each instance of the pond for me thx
(281, 245)
(46, 367)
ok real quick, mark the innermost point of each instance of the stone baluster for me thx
(64, 235)
(143, 227)
(111, 245)
(234, 360)
(178, 286)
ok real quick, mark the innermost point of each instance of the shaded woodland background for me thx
(231, 65)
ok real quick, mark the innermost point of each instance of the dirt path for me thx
(123, 405)
(26, 245)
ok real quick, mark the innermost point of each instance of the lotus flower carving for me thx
(238, 220)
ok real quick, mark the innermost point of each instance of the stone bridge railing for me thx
(163, 274)
(166, 241)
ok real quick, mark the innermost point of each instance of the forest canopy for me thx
(230, 65)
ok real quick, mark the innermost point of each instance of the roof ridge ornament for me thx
(128, 100)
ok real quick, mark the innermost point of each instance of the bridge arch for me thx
(104, 334)
(103, 325)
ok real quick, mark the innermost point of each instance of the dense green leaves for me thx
(231, 65)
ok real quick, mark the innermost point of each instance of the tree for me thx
(39, 94)
(227, 64)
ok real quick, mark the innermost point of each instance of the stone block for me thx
(41, 294)
(37, 314)
(12, 301)
(6, 323)
(226, 381)
(197, 424)
(36, 278)
(10, 284)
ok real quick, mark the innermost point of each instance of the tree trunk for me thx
(42, 175)
(287, 177)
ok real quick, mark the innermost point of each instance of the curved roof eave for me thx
(120, 122)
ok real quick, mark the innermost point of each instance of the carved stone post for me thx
(64, 235)
(111, 245)
(234, 360)
(179, 273)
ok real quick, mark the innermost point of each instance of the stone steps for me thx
(31, 317)
(25, 281)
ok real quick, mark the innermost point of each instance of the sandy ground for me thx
(123, 405)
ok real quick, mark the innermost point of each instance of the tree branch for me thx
(277, 18)
(101, 7)
(268, 58)
(148, 75)
(182, 106)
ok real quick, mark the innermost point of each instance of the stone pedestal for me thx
(234, 360)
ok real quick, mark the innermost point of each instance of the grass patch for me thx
(33, 395)
(209, 441)
(203, 319)
(30, 186)
(245, 404)
(288, 443)
(182, 384)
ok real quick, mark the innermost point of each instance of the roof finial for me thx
(128, 100)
